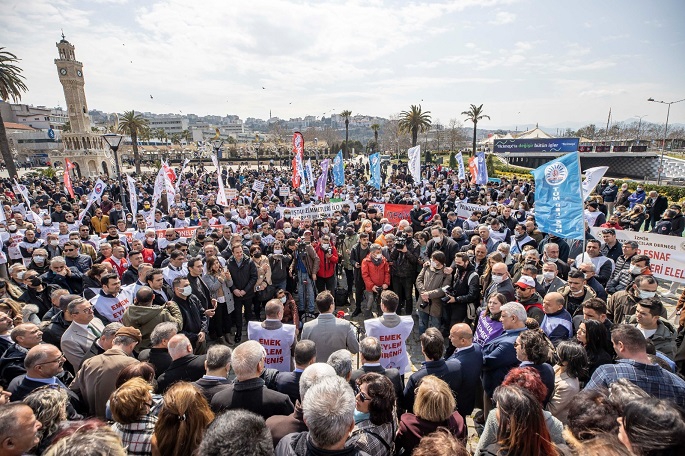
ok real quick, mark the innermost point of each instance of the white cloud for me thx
(502, 18)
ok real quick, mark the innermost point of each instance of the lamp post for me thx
(639, 124)
(663, 145)
(114, 141)
(256, 138)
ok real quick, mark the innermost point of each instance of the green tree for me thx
(475, 114)
(175, 138)
(187, 136)
(159, 133)
(375, 127)
(453, 160)
(131, 124)
(346, 114)
(11, 87)
(414, 121)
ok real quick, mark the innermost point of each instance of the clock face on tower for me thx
(78, 73)
(63, 71)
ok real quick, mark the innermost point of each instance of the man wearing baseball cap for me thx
(529, 298)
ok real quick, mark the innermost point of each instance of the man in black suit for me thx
(471, 359)
(249, 391)
(289, 382)
(184, 365)
(218, 365)
(158, 354)
(370, 359)
(433, 347)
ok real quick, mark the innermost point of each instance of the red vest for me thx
(148, 256)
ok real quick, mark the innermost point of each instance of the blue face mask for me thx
(359, 416)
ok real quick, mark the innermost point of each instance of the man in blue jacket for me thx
(471, 358)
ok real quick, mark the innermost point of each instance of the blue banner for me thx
(375, 167)
(338, 170)
(482, 175)
(559, 197)
(536, 145)
(51, 133)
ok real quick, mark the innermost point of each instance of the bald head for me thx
(274, 309)
(553, 302)
(461, 335)
(501, 269)
(179, 346)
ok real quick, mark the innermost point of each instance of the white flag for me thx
(156, 195)
(180, 176)
(460, 164)
(415, 163)
(592, 178)
(221, 198)
(310, 174)
(132, 195)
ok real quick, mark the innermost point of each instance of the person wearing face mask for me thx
(375, 272)
(195, 322)
(576, 292)
(37, 293)
(290, 314)
(418, 216)
(621, 305)
(15, 237)
(500, 283)
(431, 283)
(637, 197)
(442, 243)
(549, 280)
(328, 261)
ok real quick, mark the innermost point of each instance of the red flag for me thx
(298, 152)
(68, 166)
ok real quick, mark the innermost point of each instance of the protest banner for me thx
(396, 212)
(464, 210)
(314, 212)
(258, 186)
(666, 253)
(284, 191)
(231, 193)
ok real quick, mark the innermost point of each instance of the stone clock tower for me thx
(83, 147)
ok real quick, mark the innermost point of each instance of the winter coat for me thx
(375, 275)
(244, 276)
(664, 337)
(326, 265)
(431, 281)
(145, 318)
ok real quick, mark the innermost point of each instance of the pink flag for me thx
(322, 180)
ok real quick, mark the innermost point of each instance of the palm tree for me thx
(375, 127)
(187, 136)
(414, 121)
(160, 134)
(474, 114)
(131, 124)
(175, 138)
(11, 87)
(346, 115)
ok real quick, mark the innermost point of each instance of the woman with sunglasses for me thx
(375, 422)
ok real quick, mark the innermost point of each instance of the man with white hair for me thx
(249, 391)
(280, 425)
(328, 410)
(184, 365)
(341, 361)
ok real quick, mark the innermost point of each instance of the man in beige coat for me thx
(81, 333)
(96, 379)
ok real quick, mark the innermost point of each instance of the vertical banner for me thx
(473, 169)
(559, 196)
(309, 173)
(221, 198)
(298, 158)
(322, 180)
(68, 166)
(592, 178)
(132, 195)
(460, 163)
(375, 167)
(414, 154)
(180, 178)
(169, 177)
(338, 170)
(157, 194)
(95, 195)
(482, 169)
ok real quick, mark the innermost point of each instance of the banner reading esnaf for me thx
(536, 145)
(666, 253)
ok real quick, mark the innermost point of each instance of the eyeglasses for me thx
(69, 250)
(87, 310)
(58, 360)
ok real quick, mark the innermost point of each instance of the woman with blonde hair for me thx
(133, 421)
(13, 309)
(434, 407)
(50, 407)
(182, 421)
(367, 227)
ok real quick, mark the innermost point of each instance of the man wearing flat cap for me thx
(95, 381)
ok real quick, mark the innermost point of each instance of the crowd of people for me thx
(192, 328)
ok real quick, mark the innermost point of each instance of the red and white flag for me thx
(68, 166)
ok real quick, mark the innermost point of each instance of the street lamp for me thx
(663, 145)
(114, 141)
(638, 128)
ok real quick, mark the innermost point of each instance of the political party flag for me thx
(183, 168)
(68, 166)
(482, 169)
(473, 169)
(169, 177)
(301, 178)
(322, 180)
(98, 190)
(309, 173)
(298, 158)
(339, 170)
(156, 195)
(460, 162)
(375, 167)
(415, 163)
(592, 178)
(133, 197)
(559, 197)
(221, 198)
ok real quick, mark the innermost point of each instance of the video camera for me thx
(450, 293)
(400, 241)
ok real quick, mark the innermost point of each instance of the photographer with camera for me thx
(464, 294)
(346, 244)
(304, 267)
(376, 275)
(328, 260)
(405, 259)
(359, 252)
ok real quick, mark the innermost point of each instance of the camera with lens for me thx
(400, 241)
(319, 223)
(450, 293)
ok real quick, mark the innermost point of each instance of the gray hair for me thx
(515, 309)
(590, 266)
(341, 361)
(111, 329)
(504, 246)
(329, 411)
(162, 331)
(312, 375)
(58, 260)
(218, 356)
(122, 340)
(548, 245)
(246, 358)
(178, 346)
(374, 247)
(370, 348)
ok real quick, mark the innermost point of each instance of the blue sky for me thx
(559, 63)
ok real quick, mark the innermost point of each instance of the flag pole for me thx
(580, 180)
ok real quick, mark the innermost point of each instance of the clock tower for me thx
(82, 146)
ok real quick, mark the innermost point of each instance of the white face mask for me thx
(646, 294)
(635, 270)
(497, 278)
(39, 259)
(278, 251)
(287, 230)
(548, 275)
(437, 239)
(54, 242)
(187, 291)
(283, 299)
(434, 264)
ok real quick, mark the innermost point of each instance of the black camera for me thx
(400, 242)
(319, 223)
(449, 293)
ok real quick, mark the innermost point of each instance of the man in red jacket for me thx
(376, 275)
(328, 260)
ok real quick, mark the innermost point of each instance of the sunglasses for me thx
(363, 397)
